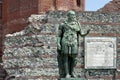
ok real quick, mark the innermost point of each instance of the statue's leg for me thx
(60, 65)
(73, 64)
(66, 66)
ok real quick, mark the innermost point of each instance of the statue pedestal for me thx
(71, 79)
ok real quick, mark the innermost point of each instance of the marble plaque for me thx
(100, 52)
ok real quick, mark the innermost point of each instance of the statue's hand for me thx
(88, 31)
(84, 34)
(58, 46)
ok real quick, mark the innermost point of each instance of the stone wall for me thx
(31, 53)
(3, 73)
(15, 12)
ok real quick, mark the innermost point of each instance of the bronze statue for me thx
(67, 45)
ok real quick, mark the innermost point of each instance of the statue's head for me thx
(71, 15)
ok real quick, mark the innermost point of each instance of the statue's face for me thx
(71, 16)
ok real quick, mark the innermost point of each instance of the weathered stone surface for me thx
(72, 79)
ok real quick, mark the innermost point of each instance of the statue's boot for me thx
(68, 76)
(72, 70)
(66, 66)
(73, 76)
(72, 65)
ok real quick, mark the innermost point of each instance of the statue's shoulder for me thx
(63, 23)
(61, 26)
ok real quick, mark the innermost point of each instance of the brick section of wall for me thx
(0, 28)
(36, 62)
(113, 6)
(77, 5)
(64, 5)
(0, 43)
(15, 13)
(45, 5)
(0, 9)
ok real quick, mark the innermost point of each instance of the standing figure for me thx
(67, 45)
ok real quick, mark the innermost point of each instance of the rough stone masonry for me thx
(31, 53)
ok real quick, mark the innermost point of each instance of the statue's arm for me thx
(59, 36)
(81, 33)
(84, 34)
(58, 43)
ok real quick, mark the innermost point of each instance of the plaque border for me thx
(101, 67)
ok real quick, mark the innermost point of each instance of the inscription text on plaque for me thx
(100, 52)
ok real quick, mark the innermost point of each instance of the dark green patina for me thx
(67, 45)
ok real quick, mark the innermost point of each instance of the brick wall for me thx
(45, 5)
(77, 5)
(0, 28)
(15, 13)
(32, 52)
(112, 6)
(64, 5)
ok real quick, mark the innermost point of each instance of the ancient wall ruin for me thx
(14, 13)
(31, 53)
